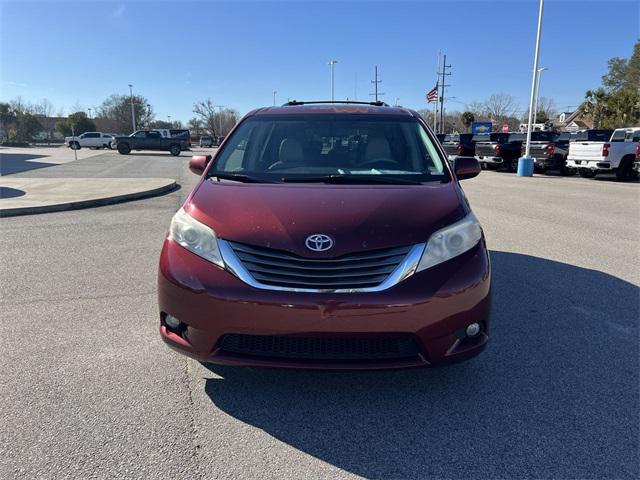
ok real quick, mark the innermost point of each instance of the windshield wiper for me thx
(346, 179)
(237, 177)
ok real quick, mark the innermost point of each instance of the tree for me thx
(467, 119)
(118, 109)
(500, 105)
(80, 123)
(623, 73)
(160, 124)
(195, 126)
(206, 111)
(44, 107)
(595, 105)
(24, 128)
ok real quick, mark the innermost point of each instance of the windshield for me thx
(593, 136)
(285, 148)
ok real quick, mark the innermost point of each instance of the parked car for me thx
(149, 140)
(615, 154)
(324, 272)
(89, 140)
(206, 141)
(548, 149)
(220, 139)
(496, 150)
(459, 145)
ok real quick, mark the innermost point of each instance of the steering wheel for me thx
(381, 163)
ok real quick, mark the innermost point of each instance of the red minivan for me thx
(327, 236)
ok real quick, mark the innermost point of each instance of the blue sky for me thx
(237, 53)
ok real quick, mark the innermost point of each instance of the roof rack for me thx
(348, 102)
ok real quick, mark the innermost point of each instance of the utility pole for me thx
(274, 97)
(443, 85)
(332, 64)
(133, 112)
(435, 104)
(376, 82)
(220, 107)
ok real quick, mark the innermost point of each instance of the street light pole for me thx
(525, 164)
(332, 64)
(535, 111)
(133, 112)
(169, 119)
(274, 97)
(89, 111)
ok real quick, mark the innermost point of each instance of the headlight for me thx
(195, 237)
(451, 241)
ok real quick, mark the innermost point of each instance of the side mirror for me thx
(198, 163)
(466, 167)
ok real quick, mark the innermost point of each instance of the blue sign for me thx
(481, 127)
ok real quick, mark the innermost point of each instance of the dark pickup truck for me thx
(548, 149)
(149, 140)
(458, 145)
(496, 150)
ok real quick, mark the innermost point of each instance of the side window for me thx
(141, 135)
(153, 135)
(618, 136)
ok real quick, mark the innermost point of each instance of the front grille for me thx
(320, 348)
(355, 270)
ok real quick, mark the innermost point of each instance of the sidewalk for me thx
(26, 196)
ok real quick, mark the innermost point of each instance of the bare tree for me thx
(500, 106)
(206, 111)
(44, 107)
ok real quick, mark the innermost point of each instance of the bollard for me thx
(525, 167)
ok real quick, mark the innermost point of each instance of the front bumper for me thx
(432, 308)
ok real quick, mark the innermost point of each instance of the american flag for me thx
(432, 95)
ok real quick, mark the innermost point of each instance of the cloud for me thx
(10, 83)
(117, 13)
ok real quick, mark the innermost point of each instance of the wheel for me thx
(625, 171)
(586, 173)
(124, 148)
(174, 150)
(567, 171)
(74, 146)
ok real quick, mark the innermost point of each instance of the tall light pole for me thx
(169, 119)
(332, 65)
(525, 164)
(89, 111)
(535, 111)
(133, 112)
(274, 97)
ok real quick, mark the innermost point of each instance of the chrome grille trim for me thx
(384, 269)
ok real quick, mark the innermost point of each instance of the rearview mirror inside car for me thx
(198, 163)
(466, 167)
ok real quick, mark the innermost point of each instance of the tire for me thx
(124, 148)
(567, 171)
(586, 173)
(174, 149)
(109, 146)
(625, 171)
(74, 146)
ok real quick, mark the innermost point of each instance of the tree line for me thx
(22, 121)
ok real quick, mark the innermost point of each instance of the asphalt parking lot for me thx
(89, 390)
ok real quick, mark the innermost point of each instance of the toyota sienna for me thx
(327, 235)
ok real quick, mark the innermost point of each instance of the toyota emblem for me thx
(319, 242)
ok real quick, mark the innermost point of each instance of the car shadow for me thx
(20, 162)
(555, 395)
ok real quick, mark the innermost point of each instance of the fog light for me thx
(473, 330)
(173, 323)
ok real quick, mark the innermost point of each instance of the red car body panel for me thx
(431, 306)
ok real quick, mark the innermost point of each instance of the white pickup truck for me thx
(89, 140)
(615, 155)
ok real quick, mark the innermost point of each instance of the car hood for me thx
(357, 217)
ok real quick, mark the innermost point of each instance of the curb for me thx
(97, 202)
